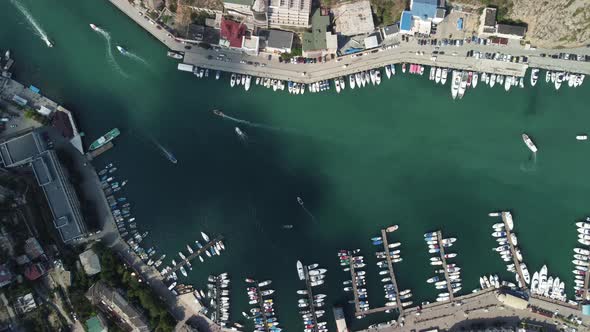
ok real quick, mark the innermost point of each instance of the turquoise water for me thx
(402, 153)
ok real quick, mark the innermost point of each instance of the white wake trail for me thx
(39, 31)
(110, 56)
(136, 57)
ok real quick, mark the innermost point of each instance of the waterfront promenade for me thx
(454, 57)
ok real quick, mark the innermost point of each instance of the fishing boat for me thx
(529, 143)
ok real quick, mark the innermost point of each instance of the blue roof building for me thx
(424, 9)
(405, 24)
(422, 13)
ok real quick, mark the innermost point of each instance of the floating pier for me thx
(357, 308)
(192, 256)
(310, 298)
(505, 216)
(261, 307)
(444, 265)
(389, 259)
(391, 271)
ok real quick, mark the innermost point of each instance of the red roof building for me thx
(233, 32)
(34, 271)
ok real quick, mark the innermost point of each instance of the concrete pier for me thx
(444, 265)
(586, 280)
(508, 216)
(192, 256)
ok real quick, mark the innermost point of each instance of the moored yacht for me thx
(456, 82)
(443, 79)
(534, 76)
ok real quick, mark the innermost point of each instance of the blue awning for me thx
(34, 89)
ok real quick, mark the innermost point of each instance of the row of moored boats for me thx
(582, 260)
(263, 313)
(393, 296)
(507, 244)
(448, 275)
(311, 306)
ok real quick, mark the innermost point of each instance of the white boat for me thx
(388, 72)
(508, 83)
(463, 85)
(475, 80)
(337, 84)
(378, 77)
(582, 137)
(218, 75)
(190, 250)
(558, 80)
(547, 76)
(342, 83)
(455, 84)
(529, 143)
(205, 236)
(437, 75)
(351, 81)
(432, 74)
(372, 76)
(183, 271)
(582, 251)
(492, 80)
(174, 55)
(393, 72)
(443, 79)
(94, 27)
(232, 80)
(534, 76)
(247, 84)
(300, 271)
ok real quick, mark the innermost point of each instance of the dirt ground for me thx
(448, 27)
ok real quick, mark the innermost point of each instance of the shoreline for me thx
(310, 73)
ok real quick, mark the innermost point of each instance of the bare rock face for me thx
(554, 23)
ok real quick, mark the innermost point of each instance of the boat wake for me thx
(253, 124)
(530, 165)
(300, 201)
(110, 56)
(135, 57)
(38, 30)
(165, 152)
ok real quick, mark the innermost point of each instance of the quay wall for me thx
(454, 57)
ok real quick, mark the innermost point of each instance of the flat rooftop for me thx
(19, 149)
(354, 18)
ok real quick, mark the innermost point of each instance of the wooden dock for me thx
(192, 256)
(444, 264)
(310, 297)
(95, 153)
(523, 283)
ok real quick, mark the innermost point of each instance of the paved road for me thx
(308, 73)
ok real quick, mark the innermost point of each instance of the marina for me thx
(186, 261)
(522, 274)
